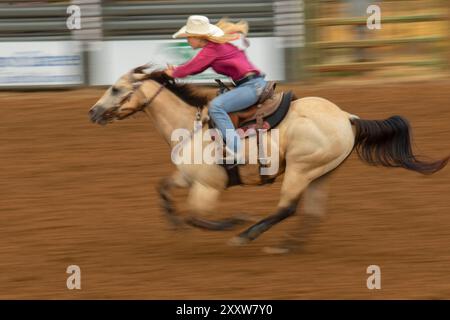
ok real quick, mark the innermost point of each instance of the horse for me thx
(314, 139)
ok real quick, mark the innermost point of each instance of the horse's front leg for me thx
(165, 185)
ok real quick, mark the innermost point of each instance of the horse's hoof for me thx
(238, 241)
(276, 250)
(285, 247)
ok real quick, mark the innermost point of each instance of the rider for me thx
(227, 59)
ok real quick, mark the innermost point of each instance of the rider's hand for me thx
(169, 70)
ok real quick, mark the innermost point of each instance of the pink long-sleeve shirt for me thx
(224, 59)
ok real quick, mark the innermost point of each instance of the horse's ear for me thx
(141, 69)
(138, 74)
(138, 77)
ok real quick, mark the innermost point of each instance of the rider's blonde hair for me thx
(232, 31)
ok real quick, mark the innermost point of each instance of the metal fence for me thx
(31, 21)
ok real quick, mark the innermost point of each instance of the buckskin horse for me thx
(315, 137)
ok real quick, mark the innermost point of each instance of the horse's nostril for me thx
(92, 114)
(94, 111)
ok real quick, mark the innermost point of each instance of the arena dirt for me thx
(72, 192)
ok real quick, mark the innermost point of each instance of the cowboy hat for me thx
(198, 26)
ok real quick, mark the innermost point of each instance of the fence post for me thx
(311, 55)
(290, 34)
(448, 35)
(91, 31)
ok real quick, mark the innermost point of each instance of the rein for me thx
(147, 102)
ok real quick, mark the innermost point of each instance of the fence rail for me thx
(318, 50)
(322, 22)
(367, 66)
(131, 20)
(376, 42)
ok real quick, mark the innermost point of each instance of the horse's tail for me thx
(388, 143)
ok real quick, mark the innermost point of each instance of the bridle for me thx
(149, 101)
(146, 103)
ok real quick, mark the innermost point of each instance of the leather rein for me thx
(146, 102)
(149, 101)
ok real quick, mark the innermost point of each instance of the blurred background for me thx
(74, 193)
(301, 40)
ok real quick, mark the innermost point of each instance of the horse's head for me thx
(110, 106)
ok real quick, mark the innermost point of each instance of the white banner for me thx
(115, 58)
(52, 63)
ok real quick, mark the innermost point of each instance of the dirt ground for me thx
(72, 192)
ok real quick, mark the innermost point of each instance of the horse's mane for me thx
(187, 92)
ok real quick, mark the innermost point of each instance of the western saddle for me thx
(266, 113)
(267, 104)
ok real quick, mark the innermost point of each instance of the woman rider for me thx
(227, 59)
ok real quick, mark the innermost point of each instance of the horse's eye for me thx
(114, 90)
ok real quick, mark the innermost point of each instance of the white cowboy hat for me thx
(198, 26)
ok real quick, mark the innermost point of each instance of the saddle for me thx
(266, 113)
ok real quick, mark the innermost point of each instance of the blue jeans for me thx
(236, 99)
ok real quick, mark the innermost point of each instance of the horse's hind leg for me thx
(313, 209)
(164, 187)
(293, 185)
(202, 201)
